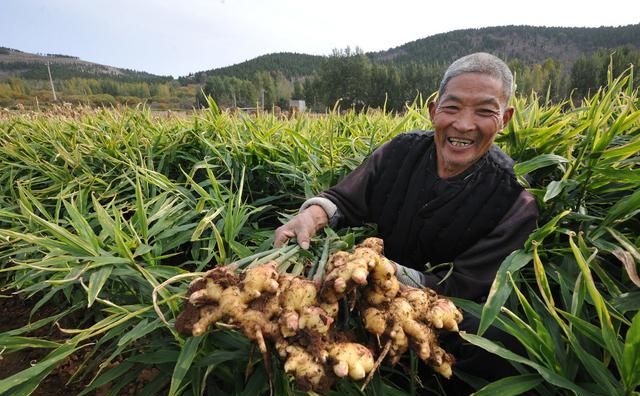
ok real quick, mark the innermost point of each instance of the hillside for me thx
(288, 63)
(15, 63)
(528, 43)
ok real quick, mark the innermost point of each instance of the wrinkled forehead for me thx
(479, 87)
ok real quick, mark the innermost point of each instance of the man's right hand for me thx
(303, 226)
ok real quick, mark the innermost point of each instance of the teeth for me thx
(460, 142)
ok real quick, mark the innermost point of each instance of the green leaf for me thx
(141, 213)
(154, 387)
(597, 370)
(631, 356)
(257, 383)
(553, 189)
(626, 302)
(547, 374)
(534, 334)
(187, 354)
(81, 226)
(542, 232)
(106, 222)
(220, 356)
(96, 282)
(622, 210)
(623, 151)
(501, 288)
(609, 335)
(157, 357)
(239, 249)
(71, 242)
(538, 162)
(140, 330)
(206, 221)
(581, 326)
(513, 385)
(48, 363)
(12, 343)
(27, 388)
(108, 376)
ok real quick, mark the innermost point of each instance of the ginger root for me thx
(407, 318)
(351, 359)
(282, 310)
(307, 370)
(296, 316)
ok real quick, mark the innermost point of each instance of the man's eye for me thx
(449, 109)
(486, 112)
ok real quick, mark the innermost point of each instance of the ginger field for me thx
(106, 215)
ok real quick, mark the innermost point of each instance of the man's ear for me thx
(506, 116)
(432, 109)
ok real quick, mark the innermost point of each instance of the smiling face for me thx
(466, 119)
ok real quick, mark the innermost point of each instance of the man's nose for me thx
(465, 121)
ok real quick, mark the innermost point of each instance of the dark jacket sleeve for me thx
(351, 194)
(475, 269)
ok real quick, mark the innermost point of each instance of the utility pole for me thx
(51, 81)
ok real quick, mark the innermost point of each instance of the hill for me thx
(15, 63)
(529, 44)
(288, 63)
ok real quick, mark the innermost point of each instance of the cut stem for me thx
(319, 274)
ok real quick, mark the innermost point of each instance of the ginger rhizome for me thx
(283, 310)
(297, 317)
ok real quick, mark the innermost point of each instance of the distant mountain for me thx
(34, 67)
(288, 63)
(529, 44)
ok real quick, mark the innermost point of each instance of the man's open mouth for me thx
(459, 142)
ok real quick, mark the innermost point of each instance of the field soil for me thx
(15, 312)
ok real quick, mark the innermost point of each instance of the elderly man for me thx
(447, 196)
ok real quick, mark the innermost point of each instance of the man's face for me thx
(466, 119)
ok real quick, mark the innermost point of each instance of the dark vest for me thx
(423, 218)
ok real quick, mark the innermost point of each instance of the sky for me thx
(178, 37)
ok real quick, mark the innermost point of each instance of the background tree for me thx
(298, 90)
(346, 75)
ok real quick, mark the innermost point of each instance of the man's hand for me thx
(303, 226)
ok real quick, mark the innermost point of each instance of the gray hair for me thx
(483, 63)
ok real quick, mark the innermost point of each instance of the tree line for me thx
(350, 77)
(347, 77)
(97, 92)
